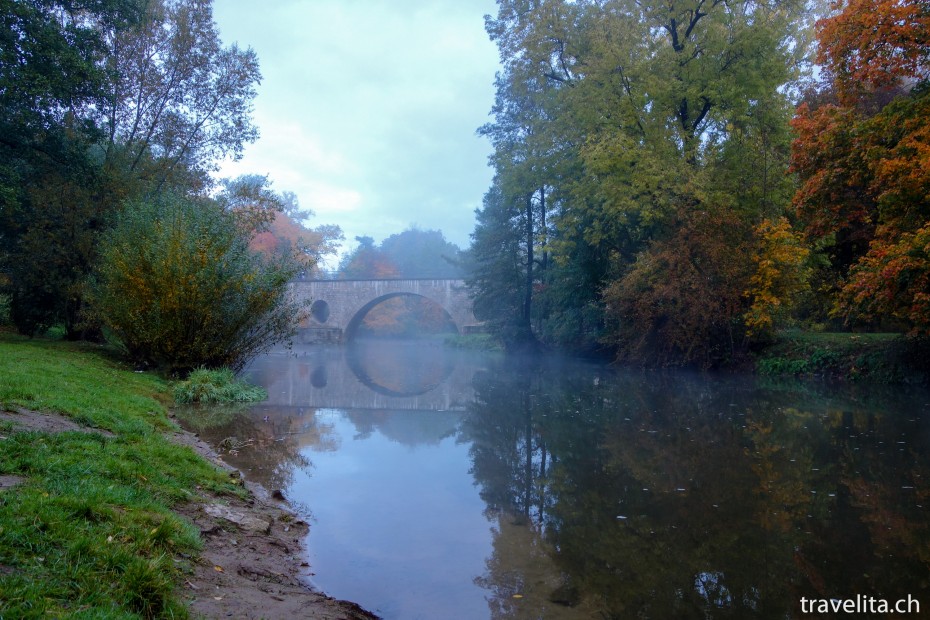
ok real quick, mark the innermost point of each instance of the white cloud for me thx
(368, 109)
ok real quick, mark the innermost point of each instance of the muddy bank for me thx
(252, 563)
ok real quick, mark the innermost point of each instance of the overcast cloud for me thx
(368, 108)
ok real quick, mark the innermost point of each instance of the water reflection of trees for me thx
(266, 442)
(691, 498)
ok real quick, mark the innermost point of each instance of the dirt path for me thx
(251, 565)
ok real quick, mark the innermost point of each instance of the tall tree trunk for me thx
(528, 293)
(544, 264)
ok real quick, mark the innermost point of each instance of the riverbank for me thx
(879, 358)
(108, 509)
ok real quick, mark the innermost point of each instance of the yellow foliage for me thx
(780, 278)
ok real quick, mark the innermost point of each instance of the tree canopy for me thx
(627, 135)
(114, 115)
(413, 253)
(862, 156)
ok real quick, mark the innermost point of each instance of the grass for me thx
(882, 358)
(216, 387)
(476, 342)
(91, 533)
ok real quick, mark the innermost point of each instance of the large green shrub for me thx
(179, 287)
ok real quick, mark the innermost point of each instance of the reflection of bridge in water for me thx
(381, 376)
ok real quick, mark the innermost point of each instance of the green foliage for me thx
(102, 102)
(216, 386)
(56, 227)
(51, 73)
(626, 136)
(90, 533)
(880, 357)
(4, 310)
(496, 267)
(179, 287)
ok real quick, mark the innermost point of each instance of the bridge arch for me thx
(337, 306)
(352, 326)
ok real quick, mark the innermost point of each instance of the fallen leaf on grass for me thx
(218, 569)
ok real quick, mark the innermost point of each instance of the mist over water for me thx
(442, 483)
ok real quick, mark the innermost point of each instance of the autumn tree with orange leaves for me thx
(862, 156)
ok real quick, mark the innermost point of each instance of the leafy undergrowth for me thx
(217, 387)
(883, 358)
(91, 534)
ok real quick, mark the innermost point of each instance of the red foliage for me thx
(828, 159)
(875, 43)
(864, 161)
(893, 280)
(683, 300)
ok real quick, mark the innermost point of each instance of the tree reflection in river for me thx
(561, 490)
(265, 442)
(676, 497)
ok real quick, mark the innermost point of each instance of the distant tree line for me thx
(114, 114)
(675, 181)
(413, 253)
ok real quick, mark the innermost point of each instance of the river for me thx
(447, 484)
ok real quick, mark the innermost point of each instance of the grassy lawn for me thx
(91, 533)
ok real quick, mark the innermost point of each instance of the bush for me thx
(216, 386)
(179, 288)
(5, 310)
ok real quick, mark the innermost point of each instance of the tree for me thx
(863, 155)
(781, 277)
(870, 45)
(620, 129)
(178, 286)
(177, 101)
(367, 261)
(422, 254)
(53, 197)
(273, 221)
(496, 269)
(530, 151)
(682, 301)
(104, 102)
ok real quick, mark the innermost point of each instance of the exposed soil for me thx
(251, 565)
(26, 419)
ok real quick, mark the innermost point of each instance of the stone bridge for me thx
(338, 306)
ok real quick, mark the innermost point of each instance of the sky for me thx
(368, 109)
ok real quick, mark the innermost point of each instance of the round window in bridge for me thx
(320, 310)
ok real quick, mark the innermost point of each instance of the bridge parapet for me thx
(337, 306)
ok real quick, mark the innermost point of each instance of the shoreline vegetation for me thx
(886, 358)
(109, 509)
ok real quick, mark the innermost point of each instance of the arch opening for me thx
(319, 310)
(400, 316)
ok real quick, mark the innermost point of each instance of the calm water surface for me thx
(445, 484)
